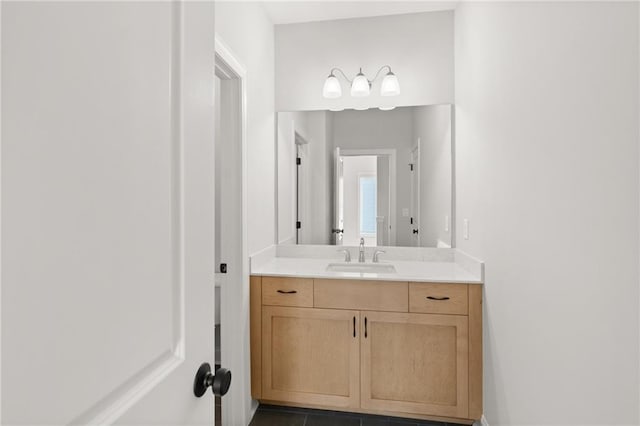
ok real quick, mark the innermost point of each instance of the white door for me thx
(338, 208)
(107, 211)
(414, 220)
(303, 208)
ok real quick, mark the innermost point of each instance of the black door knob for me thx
(219, 382)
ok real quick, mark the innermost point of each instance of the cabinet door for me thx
(415, 363)
(311, 356)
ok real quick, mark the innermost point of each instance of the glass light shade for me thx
(360, 86)
(332, 89)
(390, 85)
(386, 108)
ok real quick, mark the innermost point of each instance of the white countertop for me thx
(436, 270)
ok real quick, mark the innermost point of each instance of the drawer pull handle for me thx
(287, 292)
(354, 326)
(437, 298)
(365, 327)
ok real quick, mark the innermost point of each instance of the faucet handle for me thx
(347, 254)
(375, 255)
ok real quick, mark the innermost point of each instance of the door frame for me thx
(302, 202)
(391, 154)
(237, 406)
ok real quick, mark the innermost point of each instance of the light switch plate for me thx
(405, 212)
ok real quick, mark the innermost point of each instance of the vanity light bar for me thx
(360, 85)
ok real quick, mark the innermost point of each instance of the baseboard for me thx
(253, 407)
(482, 422)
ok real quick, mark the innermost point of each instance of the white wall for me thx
(286, 178)
(316, 225)
(377, 129)
(246, 29)
(432, 125)
(547, 172)
(418, 47)
(316, 207)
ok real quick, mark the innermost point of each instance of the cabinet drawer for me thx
(361, 295)
(280, 291)
(438, 298)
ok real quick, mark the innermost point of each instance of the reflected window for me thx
(367, 188)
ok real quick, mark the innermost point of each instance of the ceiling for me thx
(289, 12)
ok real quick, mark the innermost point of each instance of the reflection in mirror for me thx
(385, 176)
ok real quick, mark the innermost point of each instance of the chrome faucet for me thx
(361, 255)
(377, 254)
(347, 255)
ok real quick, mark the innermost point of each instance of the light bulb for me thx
(360, 86)
(390, 85)
(332, 89)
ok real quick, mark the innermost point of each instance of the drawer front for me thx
(390, 296)
(279, 291)
(439, 298)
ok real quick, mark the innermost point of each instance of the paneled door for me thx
(311, 356)
(107, 211)
(414, 220)
(415, 363)
(338, 198)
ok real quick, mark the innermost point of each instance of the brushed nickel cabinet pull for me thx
(437, 298)
(287, 292)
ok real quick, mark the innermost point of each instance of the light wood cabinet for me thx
(439, 298)
(394, 348)
(362, 295)
(287, 291)
(311, 356)
(415, 363)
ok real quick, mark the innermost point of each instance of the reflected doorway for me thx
(365, 204)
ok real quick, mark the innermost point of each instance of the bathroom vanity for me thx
(405, 343)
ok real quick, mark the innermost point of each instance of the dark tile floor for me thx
(272, 415)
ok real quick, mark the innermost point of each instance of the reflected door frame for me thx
(392, 156)
(414, 223)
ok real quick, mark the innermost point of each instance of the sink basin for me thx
(376, 268)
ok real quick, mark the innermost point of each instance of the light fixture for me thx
(360, 85)
(390, 85)
(387, 108)
(332, 89)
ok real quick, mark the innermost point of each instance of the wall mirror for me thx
(385, 176)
